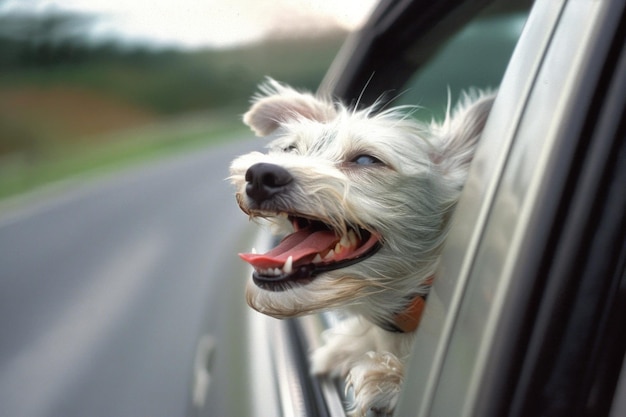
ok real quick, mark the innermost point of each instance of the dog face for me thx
(361, 198)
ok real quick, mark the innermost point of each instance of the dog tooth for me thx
(317, 259)
(277, 271)
(330, 254)
(338, 248)
(269, 271)
(345, 241)
(288, 267)
(253, 250)
(354, 241)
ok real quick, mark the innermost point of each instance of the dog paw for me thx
(375, 381)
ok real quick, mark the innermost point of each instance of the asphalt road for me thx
(106, 286)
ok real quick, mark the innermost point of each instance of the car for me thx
(527, 313)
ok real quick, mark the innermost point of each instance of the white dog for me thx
(363, 198)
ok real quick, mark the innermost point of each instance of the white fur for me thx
(407, 202)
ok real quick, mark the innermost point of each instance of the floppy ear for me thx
(279, 103)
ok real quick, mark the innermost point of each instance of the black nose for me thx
(265, 180)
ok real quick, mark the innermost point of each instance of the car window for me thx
(476, 57)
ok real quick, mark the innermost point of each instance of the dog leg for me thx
(370, 360)
(343, 345)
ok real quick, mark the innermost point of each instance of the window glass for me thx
(476, 57)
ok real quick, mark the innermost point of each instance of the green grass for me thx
(117, 151)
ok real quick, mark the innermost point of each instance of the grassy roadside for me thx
(19, 174)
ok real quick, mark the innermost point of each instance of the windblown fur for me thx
(375, 173)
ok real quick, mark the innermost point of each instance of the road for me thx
(106, 286)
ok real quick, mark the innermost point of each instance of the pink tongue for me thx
(298, 245)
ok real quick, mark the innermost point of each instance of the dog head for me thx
(362, 198)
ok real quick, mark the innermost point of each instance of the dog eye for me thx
(366, 160)
(290, 148)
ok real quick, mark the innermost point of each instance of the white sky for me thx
(198, 23)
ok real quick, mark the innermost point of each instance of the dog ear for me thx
(461, 131)
(279, 103)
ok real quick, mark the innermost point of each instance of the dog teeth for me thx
(330, 254)
(288, 267)
(317, 259)
(275, 272)
(348, 241)
(338, 247)
(253, 251)
(270, 272)
(354, 241)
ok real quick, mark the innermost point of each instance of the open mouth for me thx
(313, 248)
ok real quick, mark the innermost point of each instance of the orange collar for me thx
(409, 319)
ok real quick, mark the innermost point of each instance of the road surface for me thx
(106, 286)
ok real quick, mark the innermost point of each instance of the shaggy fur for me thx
(376, 173)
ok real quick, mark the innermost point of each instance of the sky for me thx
(203, 23)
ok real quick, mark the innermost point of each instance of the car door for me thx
(527, 314)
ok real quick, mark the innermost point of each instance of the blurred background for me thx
(87, 84)
(121, 292)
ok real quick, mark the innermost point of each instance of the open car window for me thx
(456, 66)
(474, 58)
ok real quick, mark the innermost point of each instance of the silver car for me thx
(527, 316)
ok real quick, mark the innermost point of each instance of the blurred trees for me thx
(32, 40)
(52, 49)
(43, 55)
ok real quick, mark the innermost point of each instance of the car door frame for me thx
(489, 330)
